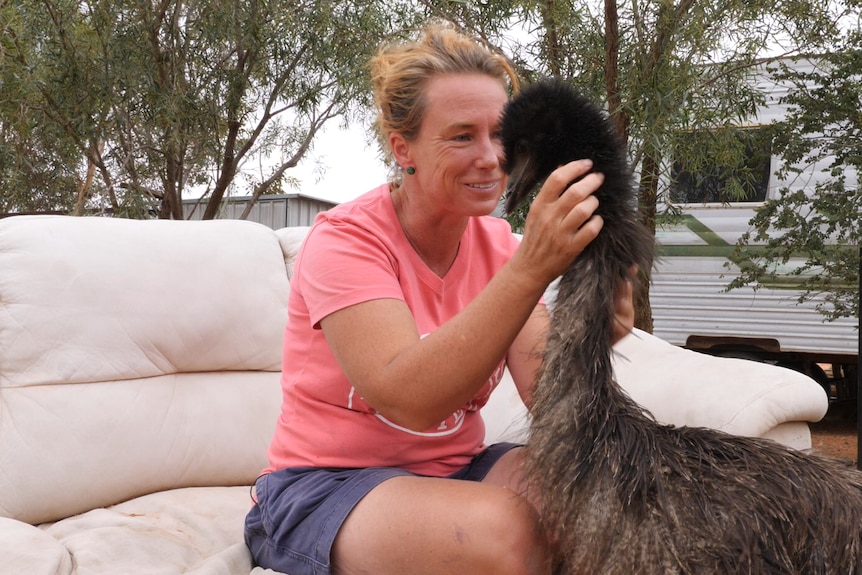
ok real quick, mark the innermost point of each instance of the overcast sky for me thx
(342, 165)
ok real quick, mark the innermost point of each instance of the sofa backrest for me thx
(135, 356)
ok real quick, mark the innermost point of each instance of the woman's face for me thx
(458, 153)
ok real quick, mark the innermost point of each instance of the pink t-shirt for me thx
(358, 252)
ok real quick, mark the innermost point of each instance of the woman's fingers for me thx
(562, 219)
(567, 197)
(558, 180)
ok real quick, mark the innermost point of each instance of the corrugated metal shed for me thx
(276, 211)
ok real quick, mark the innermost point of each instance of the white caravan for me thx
(691, 306)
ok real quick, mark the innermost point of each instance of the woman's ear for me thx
(400, 149)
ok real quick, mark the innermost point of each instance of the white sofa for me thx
(139, 387)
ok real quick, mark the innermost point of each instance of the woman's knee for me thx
(516, 541)
(433, 526)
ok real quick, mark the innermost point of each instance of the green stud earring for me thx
(411, 170)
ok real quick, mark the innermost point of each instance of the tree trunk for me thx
(647, 210)
(619, 118)
(552, 42)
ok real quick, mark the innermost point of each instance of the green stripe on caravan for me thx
(715, 246)
(690, 251)
(703, 232)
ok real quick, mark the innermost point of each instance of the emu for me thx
(621, 493)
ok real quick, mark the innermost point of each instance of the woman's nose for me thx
(490, 154)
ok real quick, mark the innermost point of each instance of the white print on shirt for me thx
(451, 424)
(448, 427)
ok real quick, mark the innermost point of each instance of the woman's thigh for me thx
(422, 525)
(298, 513)
(508, 471)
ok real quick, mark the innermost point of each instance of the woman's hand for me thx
(561, 222)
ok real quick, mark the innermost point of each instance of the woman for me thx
(406, 306)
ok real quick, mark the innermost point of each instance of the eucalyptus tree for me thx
(39, 160)
(138, 103)
(672, 74)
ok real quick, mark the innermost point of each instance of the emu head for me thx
(548, 124)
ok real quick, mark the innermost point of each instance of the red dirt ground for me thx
(835, 436)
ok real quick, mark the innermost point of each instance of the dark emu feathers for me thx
(621, 493)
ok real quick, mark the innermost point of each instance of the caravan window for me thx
(704, 170)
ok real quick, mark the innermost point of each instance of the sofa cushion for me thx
(195, 531)
(290, 240)
(135, 356)
(97, 299)
(70, 448)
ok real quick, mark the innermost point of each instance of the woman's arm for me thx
(525, 356)
(419, 382)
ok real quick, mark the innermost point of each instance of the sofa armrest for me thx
(683, 387)
(742, 397)
(27, 549)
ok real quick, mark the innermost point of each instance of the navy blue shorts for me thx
(298, 511)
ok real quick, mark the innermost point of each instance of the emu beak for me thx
(521, 182)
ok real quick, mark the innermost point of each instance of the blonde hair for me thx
(399, 73)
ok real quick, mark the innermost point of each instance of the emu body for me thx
(621, 493)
